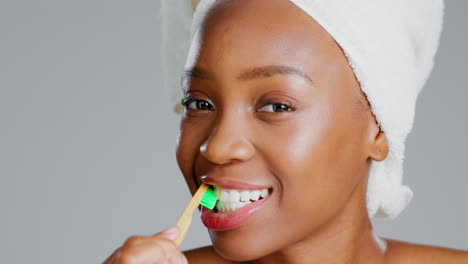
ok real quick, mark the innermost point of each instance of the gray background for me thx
(87, 134)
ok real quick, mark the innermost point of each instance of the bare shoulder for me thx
(403, 252)
(205, 255)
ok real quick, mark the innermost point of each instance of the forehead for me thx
(239, 34)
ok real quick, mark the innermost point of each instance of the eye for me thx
(276, 107)
(197, 104)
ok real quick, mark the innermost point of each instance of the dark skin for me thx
(310, 135)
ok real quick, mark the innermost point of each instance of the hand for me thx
(156, 249)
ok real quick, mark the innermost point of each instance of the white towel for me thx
(390, 45)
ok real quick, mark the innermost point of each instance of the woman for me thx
(279, 98)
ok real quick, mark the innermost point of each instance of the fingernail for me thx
(171, 232)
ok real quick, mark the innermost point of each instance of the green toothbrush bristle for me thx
(209, 198)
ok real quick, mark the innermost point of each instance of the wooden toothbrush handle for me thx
(186, 218)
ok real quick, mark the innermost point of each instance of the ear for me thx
(378, 148)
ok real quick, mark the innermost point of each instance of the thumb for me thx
(171, 233)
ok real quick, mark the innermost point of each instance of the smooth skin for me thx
(272, 101)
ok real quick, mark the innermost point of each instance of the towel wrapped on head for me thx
(390, 46)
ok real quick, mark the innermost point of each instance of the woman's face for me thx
(272, 104)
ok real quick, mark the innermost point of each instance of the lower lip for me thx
(229, 220)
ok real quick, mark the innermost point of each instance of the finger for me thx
(155, 249)
(183, 259)
(171, 233)
(171, 252)
(178, 259)
(111, 258)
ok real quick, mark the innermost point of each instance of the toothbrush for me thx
(205, 196)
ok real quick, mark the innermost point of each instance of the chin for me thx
(237, 247)
(235, 254)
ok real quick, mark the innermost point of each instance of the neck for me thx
(345, 239)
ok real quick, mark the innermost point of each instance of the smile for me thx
(237, 202)
(231, 200)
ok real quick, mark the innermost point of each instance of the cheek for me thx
(187, 148)
(316, 162)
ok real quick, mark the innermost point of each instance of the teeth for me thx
(221, 206)
(245, 196)
(231, 200)
(229, 207)
(234, 196)
(255, 195)
(224, 196)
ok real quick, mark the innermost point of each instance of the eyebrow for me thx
(249, 74)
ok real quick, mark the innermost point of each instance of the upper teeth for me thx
(230, 200)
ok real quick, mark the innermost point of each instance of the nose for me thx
(228, 142)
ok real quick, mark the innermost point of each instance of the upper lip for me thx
(232, 184)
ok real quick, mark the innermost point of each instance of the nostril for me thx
(226, 147)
